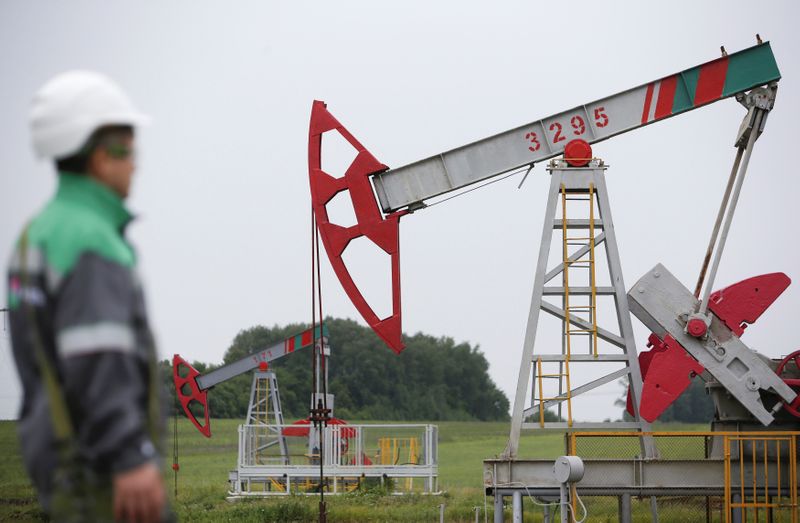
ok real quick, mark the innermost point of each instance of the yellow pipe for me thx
(727, 473)
(592, 269)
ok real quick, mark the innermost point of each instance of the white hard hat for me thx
(71, 106)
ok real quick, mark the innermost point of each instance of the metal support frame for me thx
(577, 180)
(344, 469)
(498, 507)
(756, 471)
(516, 507)
(265, 412)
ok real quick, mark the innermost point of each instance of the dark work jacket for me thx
(90, 315)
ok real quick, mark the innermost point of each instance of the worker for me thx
(90, 413)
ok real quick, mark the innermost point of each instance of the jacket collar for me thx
(88, 192)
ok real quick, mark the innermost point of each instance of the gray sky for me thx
(222, 186)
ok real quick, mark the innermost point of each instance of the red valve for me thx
(578, 153)
(793, 407)
(696, 327)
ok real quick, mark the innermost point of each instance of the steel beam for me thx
(583, 324)
(599, 120)
(580, 253)
(577, 391)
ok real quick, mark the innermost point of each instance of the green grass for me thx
(205, 463)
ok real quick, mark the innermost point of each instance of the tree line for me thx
(433, 379)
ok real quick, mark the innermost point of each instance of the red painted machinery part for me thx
(655, 345)
(696, 327)
(578, 153)
(179, 366)
(666, 370)
(670, 373)
(742, 303)
(380, 230)
(263, 366)
(793, 407)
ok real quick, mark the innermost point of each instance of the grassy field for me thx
(205, 463)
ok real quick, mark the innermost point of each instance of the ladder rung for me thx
(581, 358)
(578, 291)
(577, 224)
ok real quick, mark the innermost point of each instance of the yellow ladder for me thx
(541, 376)
(261, 417)
(586, 312)
(589, 309)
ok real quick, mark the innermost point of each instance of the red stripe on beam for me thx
(647, 99)
(711, 81)
(666, 95)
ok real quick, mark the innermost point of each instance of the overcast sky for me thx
(222, 186)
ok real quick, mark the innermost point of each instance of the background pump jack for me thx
(192, 388)
(273, 459)
(692, 334)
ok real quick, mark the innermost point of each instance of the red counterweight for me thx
(666, 372)
(742, 303)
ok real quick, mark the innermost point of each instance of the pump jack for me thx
(693, 335)
(192, 387)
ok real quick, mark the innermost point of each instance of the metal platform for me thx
(401, 458)
(745, 471)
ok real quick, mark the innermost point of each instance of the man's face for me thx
(113, 163)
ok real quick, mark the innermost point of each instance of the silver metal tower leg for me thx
(265, 410)
(533, 320)
(498, 508)
(588, 180)
(276, 408)
(516, 504)
(625, 508)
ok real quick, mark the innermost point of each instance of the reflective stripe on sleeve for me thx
(35, 261)
(97, 337)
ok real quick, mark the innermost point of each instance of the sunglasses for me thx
(119, 151)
